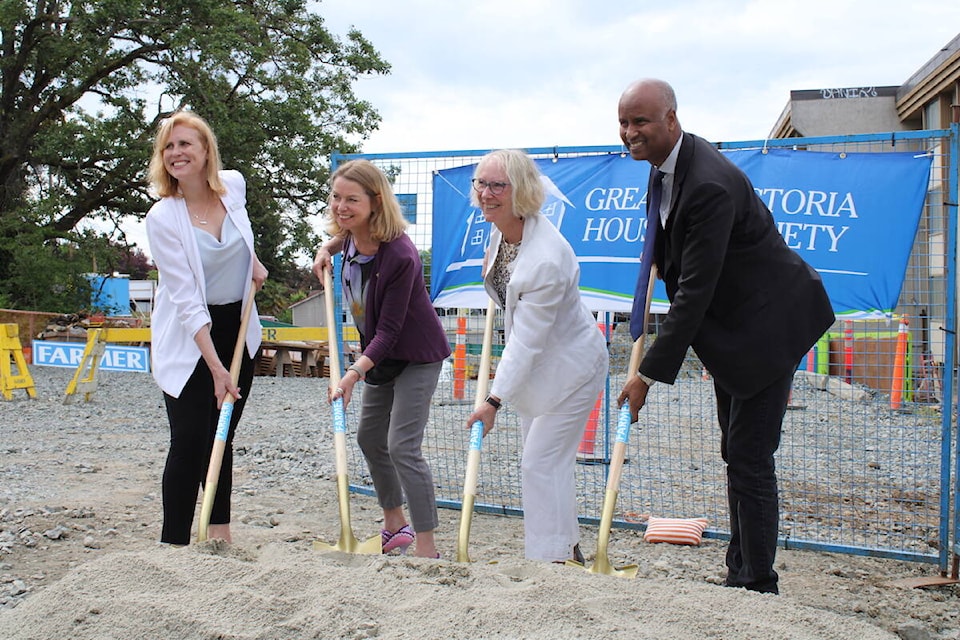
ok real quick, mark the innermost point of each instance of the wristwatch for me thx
(493, 402)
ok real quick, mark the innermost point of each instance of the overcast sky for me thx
(486, 74)
(530, 73)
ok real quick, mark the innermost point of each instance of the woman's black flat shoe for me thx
(577, 555)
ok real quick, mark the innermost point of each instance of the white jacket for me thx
(181, 301)
(553, 345)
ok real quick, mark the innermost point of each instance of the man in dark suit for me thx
(748, 305)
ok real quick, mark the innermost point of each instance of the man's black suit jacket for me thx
(748, 305)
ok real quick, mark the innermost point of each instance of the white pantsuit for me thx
(550, 443)
(553, 367)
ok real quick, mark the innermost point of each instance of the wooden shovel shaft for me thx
(348, 541)
(476, 438)
(623, 423)
(223, 422)
(333, 353)
(601, 562)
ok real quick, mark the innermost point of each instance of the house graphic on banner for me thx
(476, 237)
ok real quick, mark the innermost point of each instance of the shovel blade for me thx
(350, 544)
(627, 571)
(602, 565)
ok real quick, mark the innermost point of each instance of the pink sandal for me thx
(401, 539)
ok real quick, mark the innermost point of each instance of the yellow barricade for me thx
(11, 355)
(89, 362)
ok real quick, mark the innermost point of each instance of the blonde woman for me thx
(403, 344)
(554, 361)
(202, 244)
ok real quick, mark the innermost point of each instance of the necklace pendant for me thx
(202, 221)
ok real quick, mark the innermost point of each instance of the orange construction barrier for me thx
(460, 359)
(848, 352)
(899, 366)
(588, 442)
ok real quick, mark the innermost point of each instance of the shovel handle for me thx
(223, 421)
(476, 439)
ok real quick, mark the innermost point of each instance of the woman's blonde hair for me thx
(522, 174)
(160, 179)
(386, 217)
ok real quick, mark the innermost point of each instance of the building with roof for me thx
(926, 100)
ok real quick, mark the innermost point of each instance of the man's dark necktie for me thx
(646, 257)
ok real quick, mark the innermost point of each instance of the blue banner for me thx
(853, 217)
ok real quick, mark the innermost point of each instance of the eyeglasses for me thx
(496, 188)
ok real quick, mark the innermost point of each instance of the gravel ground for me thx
(80, 482)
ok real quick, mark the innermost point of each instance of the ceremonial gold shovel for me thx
(601, 563)
(476, 440)
(223, 424)
(348, 542)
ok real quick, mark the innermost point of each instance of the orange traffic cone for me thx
(460, 359)
(899, 366)
(587, 447)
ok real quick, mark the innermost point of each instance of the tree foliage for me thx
(83, 86)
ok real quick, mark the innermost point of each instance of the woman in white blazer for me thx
(554, 361)
(202, 243)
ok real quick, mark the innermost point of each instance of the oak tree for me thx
(83, 86)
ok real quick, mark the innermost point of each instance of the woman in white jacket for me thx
(554, 361)
(202, 244)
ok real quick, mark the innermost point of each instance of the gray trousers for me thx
(393, 417)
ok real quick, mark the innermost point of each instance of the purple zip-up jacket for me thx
(400, 320)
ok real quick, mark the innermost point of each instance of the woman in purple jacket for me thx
(403, 345)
